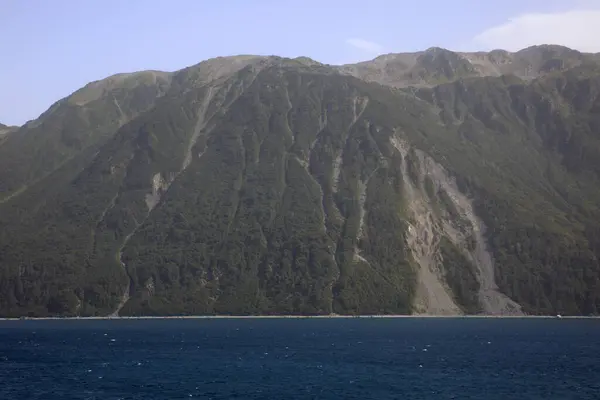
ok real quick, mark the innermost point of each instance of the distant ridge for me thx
(436, 65)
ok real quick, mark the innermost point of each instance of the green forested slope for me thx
(526, 153)
(84, 120)
(281, 186)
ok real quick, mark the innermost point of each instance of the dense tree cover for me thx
(527, 154)
(293, 198)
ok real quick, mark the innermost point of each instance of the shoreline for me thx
(391, 316)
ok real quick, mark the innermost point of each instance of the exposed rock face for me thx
(442, 211)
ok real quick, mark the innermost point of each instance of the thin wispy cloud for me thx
(365, 45)
(577, 29)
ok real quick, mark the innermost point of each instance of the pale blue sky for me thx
(50, 48)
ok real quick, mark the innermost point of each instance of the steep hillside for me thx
(75, 127)
(263, 185)
(527, 153)
(80, 122)
(5, 129)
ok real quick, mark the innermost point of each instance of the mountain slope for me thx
(261, 185)
(81, 121)
(4, 131)
(78, 125)
(527, 152)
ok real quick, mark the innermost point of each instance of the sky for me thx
(49, 49)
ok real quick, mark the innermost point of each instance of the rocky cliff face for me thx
(261, 185)
(447, 240)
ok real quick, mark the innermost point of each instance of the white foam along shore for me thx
(413, 316)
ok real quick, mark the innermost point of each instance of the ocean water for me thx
(404, 358)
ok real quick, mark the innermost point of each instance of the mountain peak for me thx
(548, 47)
(126, 81)
(307, 61)
(437, 50)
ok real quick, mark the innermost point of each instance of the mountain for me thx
(266, 185)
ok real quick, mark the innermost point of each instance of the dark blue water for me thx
(301, 359)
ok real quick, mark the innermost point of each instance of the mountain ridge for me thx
(424, 68)
(6, 128)
(360, 69)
